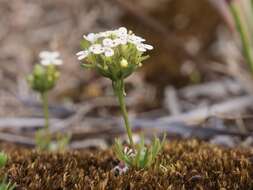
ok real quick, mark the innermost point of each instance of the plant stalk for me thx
(44, 97)
(119, 90)
(243, 35)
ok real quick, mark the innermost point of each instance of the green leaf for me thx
(87, 66)
(6, 186)
(84, 44)
(119, 150)
(3, 159)
(145, 159)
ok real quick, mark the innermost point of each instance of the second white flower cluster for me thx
(105, 42)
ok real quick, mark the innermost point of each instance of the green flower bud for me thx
(43, 78)
(124, 63)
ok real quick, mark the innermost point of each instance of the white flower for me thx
(148, 47)
(135, 39)
(91, 37)
(121, 40)
(108, 52)
(50, 58)
(82, 54)
(96, 49)
(107, 42)
(141, 48)
(122, 31)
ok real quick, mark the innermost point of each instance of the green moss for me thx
(182, 165)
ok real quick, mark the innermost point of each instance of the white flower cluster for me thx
(50, 58)
(111, 39)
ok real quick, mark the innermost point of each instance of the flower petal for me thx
(96, 49)
(148, 47)
(82, 54)
(108, 52)
(108, 42)
(50, 58)
(91, 37)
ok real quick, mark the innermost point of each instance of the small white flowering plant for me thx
(43, 79)
(116, 54)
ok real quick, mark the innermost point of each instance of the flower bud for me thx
(43, 78)
(124, 63)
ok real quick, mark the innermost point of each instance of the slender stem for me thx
(119, 91)
(44, 98)
(243, 35)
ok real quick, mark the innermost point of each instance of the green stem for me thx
(119, 90)
(44, 98)
(243, 35)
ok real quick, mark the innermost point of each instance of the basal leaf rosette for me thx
(116, 54)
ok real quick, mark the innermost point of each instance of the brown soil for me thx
(183, 165)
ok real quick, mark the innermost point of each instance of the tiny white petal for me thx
(96, 49)
(108, 52)
(81, 57)
(123, 40)
(141, 48)
(122, 31)
(82, 54)
(138, 38)
(148, 47)
(91, 37)
(135, 39)
(108, 42)
(50, 58)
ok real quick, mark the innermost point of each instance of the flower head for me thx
(45, 75)
(115, 53)
(96, 49)
(108, 42)
(50, 58)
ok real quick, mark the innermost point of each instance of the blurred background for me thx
(193, 85)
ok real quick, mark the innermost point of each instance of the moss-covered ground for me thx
(183, 165)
